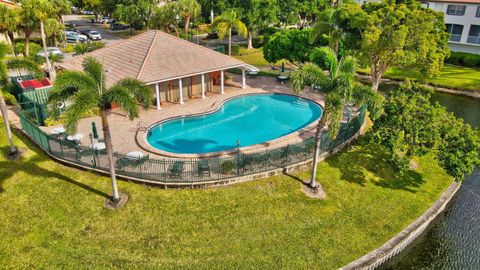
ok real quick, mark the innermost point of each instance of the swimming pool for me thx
(249, 119)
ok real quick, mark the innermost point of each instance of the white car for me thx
(50, 51)
(94, 35)
(74, 36)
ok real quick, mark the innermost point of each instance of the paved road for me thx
(83, 22)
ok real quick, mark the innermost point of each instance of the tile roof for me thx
(155, 56)
(456, 1)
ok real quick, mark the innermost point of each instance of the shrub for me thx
(235, 49)
(69, 49)
(96, 45)
(463, 59)
(9, 98)
(227, 166)
(258, 41)
(81, 48)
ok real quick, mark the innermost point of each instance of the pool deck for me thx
(124, 132)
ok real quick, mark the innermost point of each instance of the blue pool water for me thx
(250, 119)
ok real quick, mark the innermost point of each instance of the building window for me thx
(456, 10)
(474, 34)
(455, 31)
(478, 12)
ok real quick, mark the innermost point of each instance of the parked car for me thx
(50, 51)
(74, 36)
(85, 32)
(94, 35)
(118, 26)
(107, 20)
(88, 12)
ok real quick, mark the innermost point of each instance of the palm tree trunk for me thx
(250, 41)
(3, 109)
(230, 41)
(187, 24)
(28, 33)
(108, 145)
(318, 139)
(51, 71)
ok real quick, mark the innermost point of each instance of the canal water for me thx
(453, 239)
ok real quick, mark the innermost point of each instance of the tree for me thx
(188, 9)
(327, 25)
(9, 21)
(165, 18)
(402, 35)
(4, 67)
(292, 45)
(340, 89)
(54, 29)
(301, 12)
(413, 126)
(85, 90)
(28, 21)
(258, 15)
(224, 24)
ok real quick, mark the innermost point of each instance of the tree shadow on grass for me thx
(29, 165)
(355, 165)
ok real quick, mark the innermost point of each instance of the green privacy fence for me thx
(190, 170)
(34, 103)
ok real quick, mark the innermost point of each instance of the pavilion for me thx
(175, 69)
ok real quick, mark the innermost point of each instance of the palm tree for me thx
(327, 24)
(28, 22)
(188, 9)
(85, 90)
(54, 29)
(340, 87)
(224, 24)
(8, 24)
(17, 63)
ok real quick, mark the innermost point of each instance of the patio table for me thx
(77, 137)
(135, 154)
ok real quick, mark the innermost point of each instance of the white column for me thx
(157, 91)
(222, 82)
(244, 80)
(180, 88)
(203, 85)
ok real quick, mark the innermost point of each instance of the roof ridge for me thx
(109, 46)
(148, 51)
(198, 45)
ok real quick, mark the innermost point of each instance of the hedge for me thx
(463, 59)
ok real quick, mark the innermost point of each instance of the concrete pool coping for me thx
(305, 132)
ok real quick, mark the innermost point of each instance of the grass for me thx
(454, 77)
(52, 216)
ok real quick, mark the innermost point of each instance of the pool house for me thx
(175, 69)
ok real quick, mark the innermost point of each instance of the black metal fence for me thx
(190, 170)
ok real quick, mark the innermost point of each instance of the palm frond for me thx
(308, 73)
(348, 65)
(70, 82)
(223, 29)
(26, 64)
(124, 98)
(320, 28)
(331, 60)
(334, 111)
(371, 99)
(4, 49)
(142, 93)
(241, 28)
(95, 69)
(81, 102)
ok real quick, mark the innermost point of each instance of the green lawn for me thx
(454, 77)
(52, 216)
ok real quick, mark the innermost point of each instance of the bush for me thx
(96, 45)
(69, 49)
(235, 49)
(227, 166)
(463, 59)
(9, 98)
(81, 48)
(258, 41)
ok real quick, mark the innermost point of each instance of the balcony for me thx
(456, 38)
(473, 39)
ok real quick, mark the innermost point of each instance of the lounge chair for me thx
(203, 168)
(177, 169)
(132, 162)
